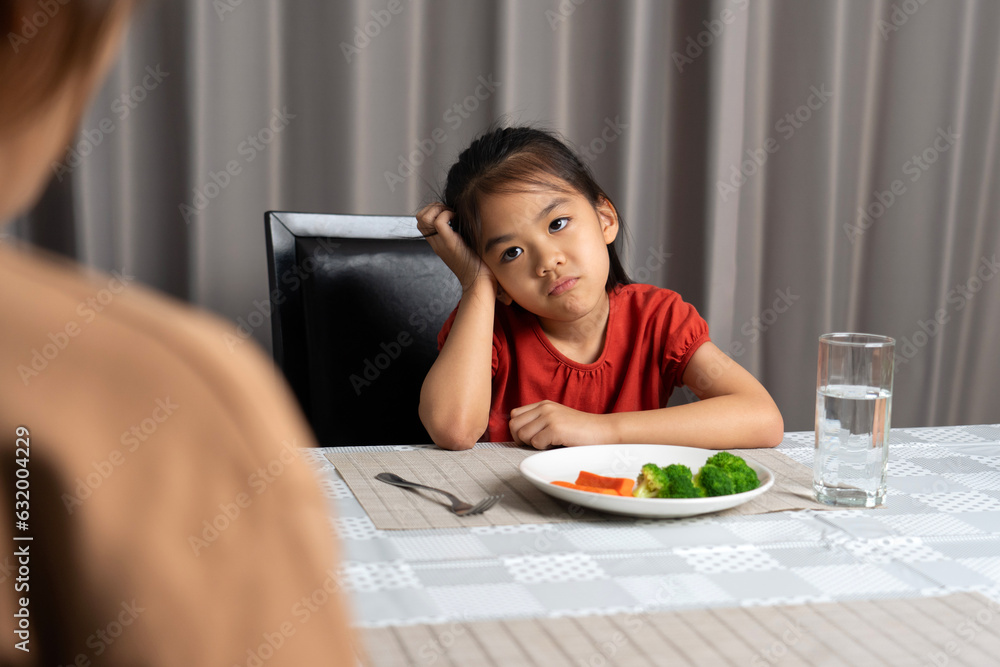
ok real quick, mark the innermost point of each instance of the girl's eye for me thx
(510, 253)
(557, 224)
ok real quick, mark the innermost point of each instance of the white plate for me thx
(626, 461)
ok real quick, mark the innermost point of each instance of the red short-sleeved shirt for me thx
(652, 334)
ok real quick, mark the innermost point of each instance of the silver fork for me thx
(459, 507)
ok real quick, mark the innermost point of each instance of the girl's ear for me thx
(503, 297)
(608, 217)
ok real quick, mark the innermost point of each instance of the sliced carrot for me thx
(592, 489)
(620, 485)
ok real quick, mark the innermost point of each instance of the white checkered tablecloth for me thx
(939, 533)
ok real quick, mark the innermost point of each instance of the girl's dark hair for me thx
(513, 159)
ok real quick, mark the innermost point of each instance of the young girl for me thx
(551, 344)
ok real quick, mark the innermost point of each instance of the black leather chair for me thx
(357, 302)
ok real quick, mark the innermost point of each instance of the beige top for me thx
(171, 523)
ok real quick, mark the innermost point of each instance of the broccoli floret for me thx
(723, 474)
(724, 460)
(650, 481)
(679, 483)
(744, 477)
(714, 481)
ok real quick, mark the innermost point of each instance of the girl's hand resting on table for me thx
(548, 423)
(432, 222)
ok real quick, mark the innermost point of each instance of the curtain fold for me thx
(791, 167)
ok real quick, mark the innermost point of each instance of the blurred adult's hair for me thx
(50, 42)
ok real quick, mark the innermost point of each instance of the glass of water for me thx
(853, 411)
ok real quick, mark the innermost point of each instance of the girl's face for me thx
(548, 250)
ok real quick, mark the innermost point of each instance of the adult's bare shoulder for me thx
(168, 474)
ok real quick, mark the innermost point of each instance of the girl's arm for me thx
(734, 411)
(455, 396)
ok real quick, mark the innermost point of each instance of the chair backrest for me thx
(356, 305)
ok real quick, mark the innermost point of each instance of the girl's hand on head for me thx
(432, 221)
(549, 424)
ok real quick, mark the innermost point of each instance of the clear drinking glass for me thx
(853, 411)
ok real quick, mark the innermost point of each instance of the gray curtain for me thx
(791, 167)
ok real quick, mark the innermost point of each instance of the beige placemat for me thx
(913, 631)
(476, 473)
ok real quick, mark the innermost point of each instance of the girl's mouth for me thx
(562, 286)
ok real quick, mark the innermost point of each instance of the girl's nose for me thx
(549, 257)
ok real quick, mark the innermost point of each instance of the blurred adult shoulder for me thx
(166, 492)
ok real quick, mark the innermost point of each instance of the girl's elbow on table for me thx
(767, 425)
(764, 425)
(452, 434)
(774, 430)
(454, 444)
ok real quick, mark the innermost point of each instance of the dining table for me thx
(913, 582)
